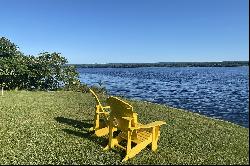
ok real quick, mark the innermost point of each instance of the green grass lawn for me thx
(52, 128)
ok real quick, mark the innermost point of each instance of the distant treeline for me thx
(166, 64)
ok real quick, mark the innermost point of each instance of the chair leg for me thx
(115, 142)
(135, 150)
(97, 118)
(155, 137)
(111, 142)
(128, 142)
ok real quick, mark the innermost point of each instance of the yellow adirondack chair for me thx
(130, 130)
(101, 117)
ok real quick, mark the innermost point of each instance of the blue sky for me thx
(124, 31)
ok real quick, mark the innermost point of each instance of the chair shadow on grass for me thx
(83, 125)
(84, 132)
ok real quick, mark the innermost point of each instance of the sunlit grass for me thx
(52, 128)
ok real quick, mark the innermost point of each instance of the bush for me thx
(48, 71)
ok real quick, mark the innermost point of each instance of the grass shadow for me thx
(103, 141)
(83, 125)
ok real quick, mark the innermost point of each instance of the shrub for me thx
(48, 71)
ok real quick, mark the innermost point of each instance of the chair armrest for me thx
(106, 107)
(127, 118)
(103, 113)
(150, 125)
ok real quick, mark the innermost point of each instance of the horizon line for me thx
(167, 62)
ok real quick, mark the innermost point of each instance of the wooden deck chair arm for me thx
(141, 126)
(150, 125)
(103, 113)
(106, 107)
(127, 118)
(128, 123)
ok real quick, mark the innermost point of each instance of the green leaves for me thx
(8, 49)
(45, 72)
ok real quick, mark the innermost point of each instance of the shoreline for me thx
(165, 64)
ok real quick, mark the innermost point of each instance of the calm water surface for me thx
(218, 92)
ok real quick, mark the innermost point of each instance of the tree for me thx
(7, 48)
(48, 71)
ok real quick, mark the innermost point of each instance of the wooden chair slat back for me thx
(119, 110)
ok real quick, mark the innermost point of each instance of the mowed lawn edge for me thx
(52, 128)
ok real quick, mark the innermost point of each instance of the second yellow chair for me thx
(130, 130)
(100, 126)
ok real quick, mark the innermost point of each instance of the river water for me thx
(218, 92)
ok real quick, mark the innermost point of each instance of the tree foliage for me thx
(7, 48)
(47, 71)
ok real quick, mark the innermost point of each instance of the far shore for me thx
(165, 64)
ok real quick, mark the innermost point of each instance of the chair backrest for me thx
(95, 96)
(119, 110)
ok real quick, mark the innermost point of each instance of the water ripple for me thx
(218, 92)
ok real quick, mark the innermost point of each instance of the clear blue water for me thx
(218, 92)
